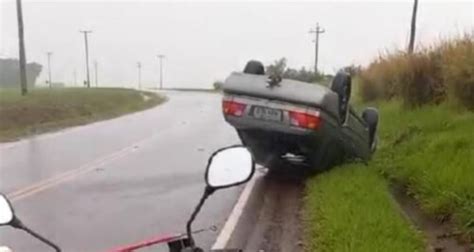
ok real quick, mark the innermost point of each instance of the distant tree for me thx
(218, 85)
(277, 68)
(10, 73)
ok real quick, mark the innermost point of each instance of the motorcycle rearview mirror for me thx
(6, 211)
(227, 167)
(8, 217)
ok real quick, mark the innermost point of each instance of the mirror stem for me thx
(207, 192)
(18, 224)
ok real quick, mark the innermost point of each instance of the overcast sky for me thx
(205, 41)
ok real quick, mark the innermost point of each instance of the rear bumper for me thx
(251, 124)
(268, 140)
(270, 148)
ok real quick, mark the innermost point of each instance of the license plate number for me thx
(267, 114)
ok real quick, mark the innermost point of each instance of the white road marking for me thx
(231, 223)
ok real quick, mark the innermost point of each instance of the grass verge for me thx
(350, 209)
(429, 150)
(44, 110)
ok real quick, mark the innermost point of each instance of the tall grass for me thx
(433, 74)
(458, 70)
(430, 151)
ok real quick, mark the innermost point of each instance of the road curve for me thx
(94, 187)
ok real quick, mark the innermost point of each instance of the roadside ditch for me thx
(440, 235)
(272, 219)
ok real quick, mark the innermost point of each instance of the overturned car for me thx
(286, 122)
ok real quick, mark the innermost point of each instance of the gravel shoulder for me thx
(278, 227)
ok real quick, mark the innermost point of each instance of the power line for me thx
(88, 84)
(318, 30)
(161, 56)
(49, 68)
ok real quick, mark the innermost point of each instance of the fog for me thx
(205, 41)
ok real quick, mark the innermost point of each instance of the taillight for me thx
(305, 120)
(233, 108)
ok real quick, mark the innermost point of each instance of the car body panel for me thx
(291, 91)
(269, 140)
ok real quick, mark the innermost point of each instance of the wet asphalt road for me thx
(118, 181)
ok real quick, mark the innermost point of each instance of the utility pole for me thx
(96, 74)
(21, 46)
(88, 83)
(75, 77)
(49, 68)
(318, 30)
(139, 67)
(161, 56)
(411, 46)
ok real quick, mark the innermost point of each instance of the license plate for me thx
(267, 114)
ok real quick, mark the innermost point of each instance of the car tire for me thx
(254, 67)
(371, 117)
(324, 157)
(320, 163)
(341, 85)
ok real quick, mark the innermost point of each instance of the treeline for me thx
(279, 67)
(431, 75)
(10, 73)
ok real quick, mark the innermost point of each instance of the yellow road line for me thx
(73, 174)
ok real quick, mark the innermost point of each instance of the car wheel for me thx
(254, 67)
(341, 85)
(371, 117)
(325, 157)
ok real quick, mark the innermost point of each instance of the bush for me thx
(218, 85)
(421, 81)
(458, 70)
(379, 79)
(368, 89)
(427, 76)
(280, 68)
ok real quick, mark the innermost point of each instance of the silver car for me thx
(286, 122)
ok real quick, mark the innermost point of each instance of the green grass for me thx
(350, 209)
(44, 110)
(430, 150)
